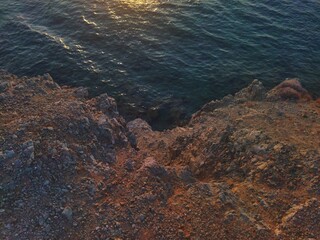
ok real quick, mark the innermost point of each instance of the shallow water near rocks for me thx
(162, 60)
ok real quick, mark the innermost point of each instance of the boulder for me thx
(290, 89)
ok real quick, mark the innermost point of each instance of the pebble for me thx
(129, 165)
(67, 212)
(9, 154)
(141, 218)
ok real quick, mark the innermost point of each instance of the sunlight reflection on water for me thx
(137, 3)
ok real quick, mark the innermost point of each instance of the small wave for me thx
(89, 22)
(44, 32)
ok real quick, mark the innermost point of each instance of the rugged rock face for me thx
(245, 167)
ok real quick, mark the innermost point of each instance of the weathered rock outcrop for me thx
(245, 167)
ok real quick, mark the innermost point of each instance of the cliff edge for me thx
(244, 167)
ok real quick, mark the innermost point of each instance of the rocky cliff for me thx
(244, 167)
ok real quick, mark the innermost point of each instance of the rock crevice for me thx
(244, 167)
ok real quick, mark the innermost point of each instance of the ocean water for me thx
(162, 60)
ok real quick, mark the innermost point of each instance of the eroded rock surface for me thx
(245, 167)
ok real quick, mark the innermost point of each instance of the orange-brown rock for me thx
(290, 89)
(244, 167)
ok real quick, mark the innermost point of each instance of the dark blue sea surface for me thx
(162, 60)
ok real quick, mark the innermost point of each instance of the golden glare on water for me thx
(121, 9)
(140, 3)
